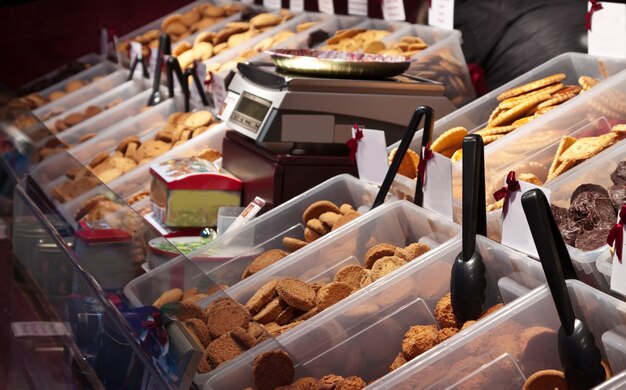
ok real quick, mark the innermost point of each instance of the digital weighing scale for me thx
(290, 130)
(270, 105)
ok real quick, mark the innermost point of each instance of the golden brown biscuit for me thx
(296, 293)
(319, 208)
(351, 383)
(444, 314)
(199, 118)
(311, 235)
(445, 334)
(385, 266)
(223, 319)
(270, 311)
(415, 250)
(345, 219)
(378, 251)
(293, 244)
(242, 337)
(419, 339)
(332, 293)
(351, 275)
(272, 369)
(173, 295)
(262, 296)
(546, 379)
(317, 226)
(223, 349)
(266, 259)
(92, 111)
(74, 119)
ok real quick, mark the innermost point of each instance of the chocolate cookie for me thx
(618, 176)
(596, 190)
(272, 369)
(617, 193)
(592, 239)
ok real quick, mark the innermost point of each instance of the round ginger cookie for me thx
(345, 219)
(74, 85)
(266, 259)
(444, 314)
(350, 275)
(242, 337)
(262, 296)
(92, 111)
(199, 329)
(223, 319)
(415, 250)
(199, 118)
(351, 383)
(311, 235)
(346, 208)
(74, 119)
(419, 339)
(121, 147)
(296, 293)
(318, 208)
(272, 369)
(409, 163)
(546, 379)
(378, 251)
(385, 266)
(269, 313)
(451, 139)
(329, 218)
(293, 244)
(317, 226)
(86, 137)
(332, 293)
(223, 349)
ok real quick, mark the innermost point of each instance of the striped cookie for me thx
(557, 99)
(496, 130)
(514, 113)
(587, 82)
(549, 90)
(565, 143)
(531, 86)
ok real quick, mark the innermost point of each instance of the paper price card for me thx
(441, 14)
(272, 4)
(296, 5)
(617, 239)
(218, 88)
(437, 186)
(607, 29)
(357, 7)
(371, 156)
(515, 230)
(326, 6)
(393, 10)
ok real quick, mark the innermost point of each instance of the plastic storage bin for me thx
(363, 334)
(131, 105)
(108, 75)
(494, 354)
(540, 133)
(284, 219)
(593, 267)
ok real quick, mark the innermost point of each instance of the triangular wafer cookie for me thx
(565, 143)
(564, 166)
(531, 86)
(588, 147)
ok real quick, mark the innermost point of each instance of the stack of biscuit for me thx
(274, 370)
(180, 26)
(517, 107)
(320, 218)
(421, 338)
(357, 39)
(131, 152)
(77, 117)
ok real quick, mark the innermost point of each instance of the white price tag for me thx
(296, 5)
(618, 271)
(201, 72)
(326, 6)
(515, 230)
(272, 4)
(608, 31)
(218, 89)
(135, 50)
(247, 1)
(104, 41)
(393, 10)
(438, 185)
(36, 328)
(357, 7)
(228, 106)
(116, 45)
(441, 14)
(371, 156)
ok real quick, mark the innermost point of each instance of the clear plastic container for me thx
(540, 133)
(363, 334)
(262, 230)
(442, 61)
(99, 122)
(239, 50)
(500, 344)
(108, 75)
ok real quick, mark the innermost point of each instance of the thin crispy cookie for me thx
(531, 86)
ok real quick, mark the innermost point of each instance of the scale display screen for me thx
(250, 111)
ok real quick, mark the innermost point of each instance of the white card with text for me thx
(135, 50)
(608, 31)
(201, 72)
(393, 10)
(152, 63)
(441, 14)
(272, 4)
(618, 270)
(371, 156)
(218, 89)
(38, 328)
(296, 5)
(247, 1)
(438, 185)
(357, 7)
(515, 230)
(326, 6)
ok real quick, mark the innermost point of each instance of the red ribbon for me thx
(505, 192)
(595, 6)
(616, 235)
(156, 330)
(427, 154)
(353, 143)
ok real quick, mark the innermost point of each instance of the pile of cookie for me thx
(275, 370)
(209, 44)
(320, 218)
(516, 107)
(443, 67)
(131, 152)
(421, 338)
(180, 26)
(281, 304)
(370, 41)
(77, 117)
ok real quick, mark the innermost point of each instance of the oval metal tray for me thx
(338, 64)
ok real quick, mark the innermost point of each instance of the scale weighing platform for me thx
(291, 130)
